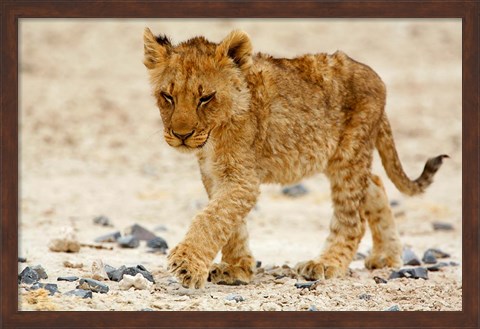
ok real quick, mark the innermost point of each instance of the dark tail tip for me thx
(434, 164)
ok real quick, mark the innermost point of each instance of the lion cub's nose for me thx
(183, 136)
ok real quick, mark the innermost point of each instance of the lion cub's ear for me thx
(156, 49)
(238, 47)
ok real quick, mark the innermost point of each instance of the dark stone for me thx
(411, 273)
(295, 190)
(80, 293)
(40, 271)
(438, 253)
(394, 203)
(258, 264)
(365, 296)
(235, 297)
(51, 287)
(429, 257)
(117, 274)
(393, 308)
(102, 220)
(93, 285)
(312, 308)
(110, 237)
(410, 258)
(128, 241)
(452, 263)
(440, 226)
(140, 232)
(379, 279)
(303, 285)
(437, 267)
(67, 278)
(359, 256)
(109, 269)
(22, 260)
(158, 243)
(28, 276)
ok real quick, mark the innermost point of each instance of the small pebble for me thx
(437, 267)
(110, 237)
(67, 243)
(312, 308)
(393, 308)
(258, 264)
(28, 276)
(429, 257)
(138, 282)
(40, 271)
(235, 297)
(128, 241)
(410, 258)
(378, 280)
(394, 203)
(52, 288)
(158, 244)
(22, 260)
(412, 273)
(140, 232)
(117, 275)
(295, 190)
(359, 256)
(365, 296)
(438, 253)
(67, 278)
(93, 285)
(441, 226)
(103, 221)
(303, 285)
(80, 293)
(98, 270)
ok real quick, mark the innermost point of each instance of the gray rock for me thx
(410, 258)
(365, 296)
(140, 232)
(51, 287)
(80, 293)
(378, 280)
(67, 278)
(438, 253)
(411, 273)
(158, 243)
(110, 237)
(437, 267)
(93, 285)
(394, 203)
(235, 297)
(359, 256)
(312, 308)
(429, 257)
(303, 285)
(128, 241)
(295, 190)
(441, 226)
(258, 264)
(28, 276)
(103, 221)
(22, 260)
(393, 308)
(117, 274)
(40, 271)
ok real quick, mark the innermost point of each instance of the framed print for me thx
(101, 213)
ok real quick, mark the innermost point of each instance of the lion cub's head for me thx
(199, 85)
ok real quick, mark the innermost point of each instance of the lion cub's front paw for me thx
(189, 268)
(316, 270)
(230, 274)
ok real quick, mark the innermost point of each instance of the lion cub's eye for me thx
(205, 99)
(167, 97)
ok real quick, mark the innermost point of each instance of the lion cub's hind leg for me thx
(387, 248)
(237, 261)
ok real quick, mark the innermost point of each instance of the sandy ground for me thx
(91, 144)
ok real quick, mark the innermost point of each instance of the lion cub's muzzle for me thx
(192, 139)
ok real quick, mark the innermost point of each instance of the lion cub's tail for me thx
(386, 148)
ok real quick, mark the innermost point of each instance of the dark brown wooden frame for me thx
(12, 10)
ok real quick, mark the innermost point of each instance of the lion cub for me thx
(252, 119)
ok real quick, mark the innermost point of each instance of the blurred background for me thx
(91, 137)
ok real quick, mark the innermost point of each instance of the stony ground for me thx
(91, 145)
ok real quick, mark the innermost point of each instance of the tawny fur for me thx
(253, 119)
